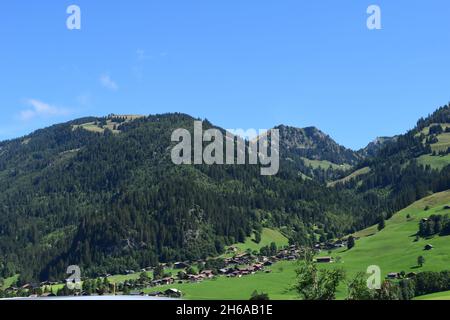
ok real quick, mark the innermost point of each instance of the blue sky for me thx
(240, 64)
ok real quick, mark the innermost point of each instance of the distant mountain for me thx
(314, 154)
(373, 148)
(313, 144)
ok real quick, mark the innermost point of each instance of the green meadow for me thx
(394, 249)
(277, 283)
(267, 237)
(324, 164)
(443, 142)
(435, 162)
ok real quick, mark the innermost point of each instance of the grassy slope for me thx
(350, 177)
(277, 284)
(394, 249)
(324, 164)
(91, 126)
(443, 144)
(435, 162)
(267, 237)
(435, 296)
(443, 139)
(8, 282)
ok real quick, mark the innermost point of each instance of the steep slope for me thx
(313, 144)
(315, 154)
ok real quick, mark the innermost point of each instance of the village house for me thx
(164, 281)
(156, 294)
(258, 266)
(208, 274)
(180, 265)
(195, 278)
(393, 275)
(324, 260)
(226, 270)
(173, 293)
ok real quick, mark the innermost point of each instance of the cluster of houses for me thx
(400, 275)
(331, 245)
(242, 264)
(237, 266)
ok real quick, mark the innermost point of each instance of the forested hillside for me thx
(409, 167)
(102, 193)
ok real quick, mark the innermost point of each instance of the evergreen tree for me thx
(420, 261)
(350, 242)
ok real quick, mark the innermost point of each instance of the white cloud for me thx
(108, 83)
(41, 109)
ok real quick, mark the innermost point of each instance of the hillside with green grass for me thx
(435, 296)
(324, 164)
(350, 177)
(278, 284)
(393, 249)
(267, 237)
(8, 282)
(437, 162)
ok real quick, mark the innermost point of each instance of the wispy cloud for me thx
(107, 82)
(41, 109)
(142, 55)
